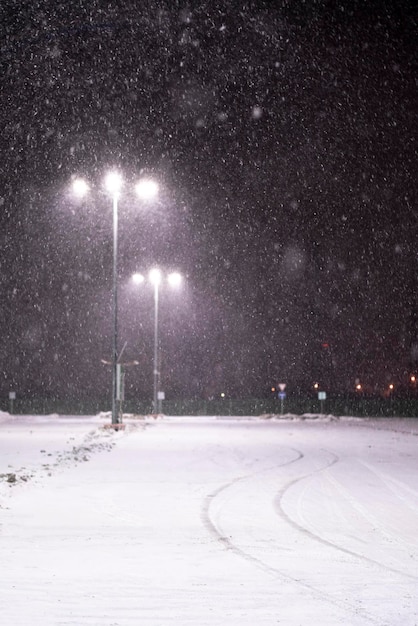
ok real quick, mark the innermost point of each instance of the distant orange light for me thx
(273, 389)
(316, 385)
(391, 386)
(413, 379)
(358, 387)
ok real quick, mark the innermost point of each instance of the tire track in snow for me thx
(284, 515)
(402, 491)
(229, 544)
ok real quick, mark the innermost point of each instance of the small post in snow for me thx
(12, 397)
(322, 396)
(282, 396)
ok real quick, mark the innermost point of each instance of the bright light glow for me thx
(358, 387)
(175, 279)
(113, 182)
(80, 187)
(316, 385)
(155, 276)
(146, 189)
(222, 395)
(413, 379)
(391, 386)
(138, 278)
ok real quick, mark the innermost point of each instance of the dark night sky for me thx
(284, 138)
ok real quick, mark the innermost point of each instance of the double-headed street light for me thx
(146, 189)
(113, 185)
(155, 277)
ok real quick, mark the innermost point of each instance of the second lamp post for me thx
(155, 278)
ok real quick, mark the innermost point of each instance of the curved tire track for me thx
(316, 537)
(229, 544)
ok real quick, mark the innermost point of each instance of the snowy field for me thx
(217, 521)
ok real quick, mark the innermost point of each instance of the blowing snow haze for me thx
(283, 137)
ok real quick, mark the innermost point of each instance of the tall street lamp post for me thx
(113, 185)
(146, 189)
(155, 276)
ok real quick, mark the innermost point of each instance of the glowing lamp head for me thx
(155, 276)
(174, 279)
(80, 187)
(137, 278)
(146, 189)
(113, 182)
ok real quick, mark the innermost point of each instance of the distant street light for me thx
(174, 279)
(155, 277)
(138, 278)
(145, 189)
(80, 187)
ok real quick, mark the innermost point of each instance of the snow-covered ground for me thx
(215, 521)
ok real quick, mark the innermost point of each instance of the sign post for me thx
(282, 396)
(322, 396)
(12, 397)
(160, 398)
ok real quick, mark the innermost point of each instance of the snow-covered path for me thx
(209, 521)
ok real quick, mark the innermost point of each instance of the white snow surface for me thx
(208, 521)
